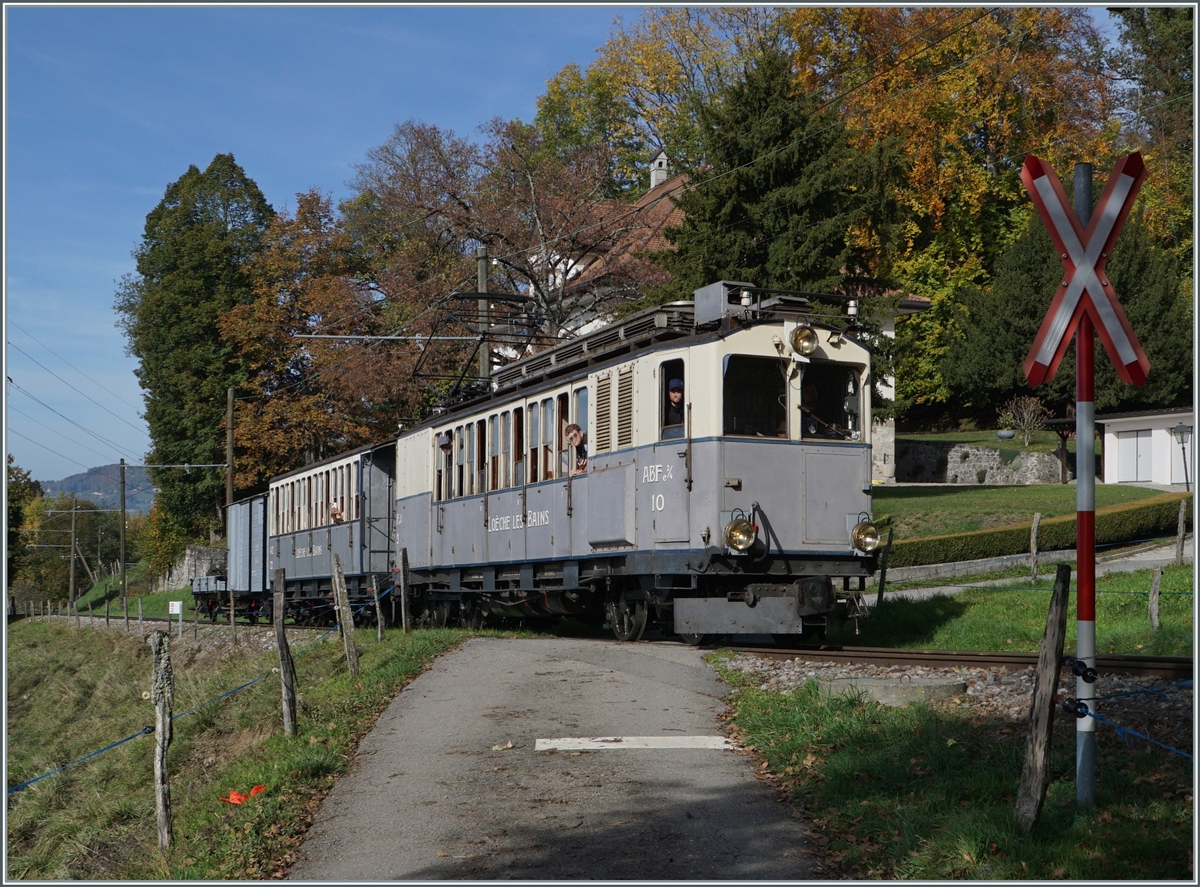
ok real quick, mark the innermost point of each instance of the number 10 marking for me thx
(658, 502)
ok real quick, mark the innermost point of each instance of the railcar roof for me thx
(329, 460)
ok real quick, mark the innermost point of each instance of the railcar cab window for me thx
(755, 396)
(830, 402)
(673, 398)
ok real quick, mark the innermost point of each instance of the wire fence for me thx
(146, 731)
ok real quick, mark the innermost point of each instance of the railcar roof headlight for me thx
(865, 536)
(740, 534)
(804, 340)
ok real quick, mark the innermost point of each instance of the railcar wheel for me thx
(439, 614)
(470, 616)
(628, 618)
(693, 640)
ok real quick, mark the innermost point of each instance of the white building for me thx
(1141, 447)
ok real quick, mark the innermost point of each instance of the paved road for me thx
(437, 793)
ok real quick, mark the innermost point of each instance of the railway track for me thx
(1167, 667)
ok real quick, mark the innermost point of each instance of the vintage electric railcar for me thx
(573, 488)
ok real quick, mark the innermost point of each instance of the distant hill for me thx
(102, 486)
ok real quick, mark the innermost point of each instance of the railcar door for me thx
(664, 494)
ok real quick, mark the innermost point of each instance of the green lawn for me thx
(917, 511)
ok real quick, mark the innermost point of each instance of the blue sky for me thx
(106, 106)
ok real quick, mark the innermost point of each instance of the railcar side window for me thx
(459, 451)
(672, 398)
(829, 402)
(481, 454)
(548, 438)
(506, 449)
(560, 436)
(493, 427)
(470, 448)
(518, 447)
(534, 442)
(755, 396)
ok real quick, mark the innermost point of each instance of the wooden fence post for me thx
(883, 560)
(1035, 775)
(378, 612)
(106, 619)
(287, 669)
(125, 610)
(1179, 534)
(341, 601)
(91, 615)
(1033, 548)
(232, 626)
(162, 693)
(1154, 592)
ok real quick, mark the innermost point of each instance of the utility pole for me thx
(481, 284)
(228, 454)
(122, 531)
(71, 594)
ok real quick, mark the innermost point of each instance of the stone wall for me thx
(946, 463)
(883, 451)
(198, 560)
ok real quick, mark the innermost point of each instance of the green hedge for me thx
(1116, 523)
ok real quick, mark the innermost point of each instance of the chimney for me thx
(658, 170)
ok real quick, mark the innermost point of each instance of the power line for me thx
(71, 365)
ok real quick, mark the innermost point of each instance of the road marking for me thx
(601, 742)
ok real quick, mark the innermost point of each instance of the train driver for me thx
(673, 418)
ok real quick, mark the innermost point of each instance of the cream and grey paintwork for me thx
(633, 513)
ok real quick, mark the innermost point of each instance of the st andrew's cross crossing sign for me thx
(1084, 253)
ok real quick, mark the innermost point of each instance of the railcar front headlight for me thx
(804, 340)
(865, 536)
(740, 534)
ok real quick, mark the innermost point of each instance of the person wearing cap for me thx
(445, 441)
(673, 420)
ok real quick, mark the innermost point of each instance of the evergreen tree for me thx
(783, 201)
(1002, 321)
(191, 266)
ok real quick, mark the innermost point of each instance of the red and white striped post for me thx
(1085, 304)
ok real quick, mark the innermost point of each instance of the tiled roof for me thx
(644, 222)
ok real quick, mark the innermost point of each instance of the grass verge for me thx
(71, 692)
(1013, 617)
(927, 793)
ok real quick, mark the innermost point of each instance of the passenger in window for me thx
(673, 419)
(576, 438)
(336, 514)
(445, 441)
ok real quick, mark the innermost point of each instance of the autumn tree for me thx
(645, 90)
(20, 489)
(192, 265)
(305, 399)
(539, 210)
(967, 92)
